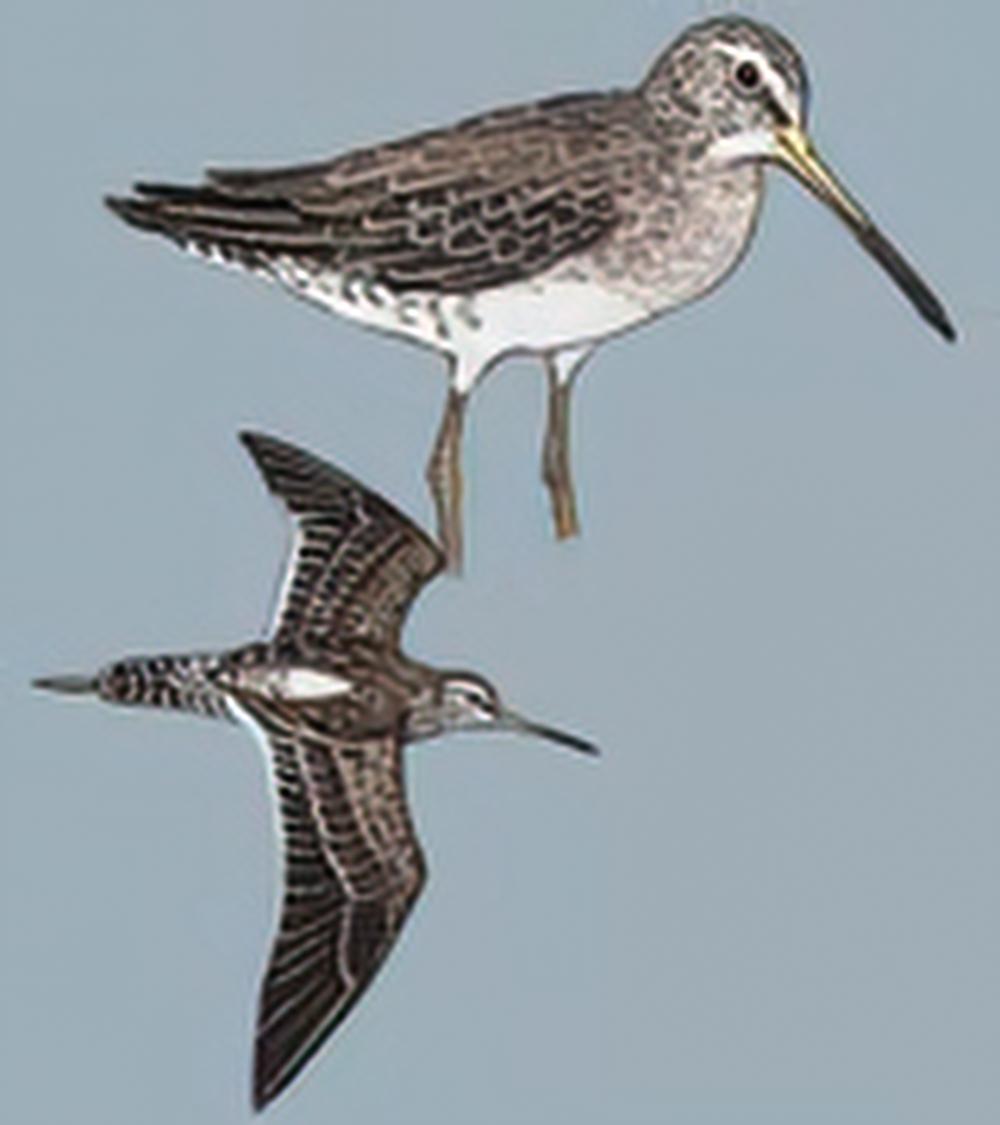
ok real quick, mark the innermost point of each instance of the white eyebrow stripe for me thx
(773, 79)
(746, 52)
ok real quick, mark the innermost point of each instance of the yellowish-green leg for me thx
(557, 472)
(444, 475)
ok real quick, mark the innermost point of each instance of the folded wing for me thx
(497, 198)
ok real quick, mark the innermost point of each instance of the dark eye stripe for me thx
(777, 110)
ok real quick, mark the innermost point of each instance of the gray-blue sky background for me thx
(776, 897)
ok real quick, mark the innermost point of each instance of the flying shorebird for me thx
(335, 701)
(541, 228)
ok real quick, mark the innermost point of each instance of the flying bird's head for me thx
(467, 701)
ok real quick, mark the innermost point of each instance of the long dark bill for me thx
(795, 151)
(510, 720)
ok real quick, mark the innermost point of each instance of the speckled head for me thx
(732, 77)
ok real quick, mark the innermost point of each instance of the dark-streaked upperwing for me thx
(352, 870)
(357, 562)
(497, 198)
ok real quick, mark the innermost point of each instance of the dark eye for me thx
(747, 76)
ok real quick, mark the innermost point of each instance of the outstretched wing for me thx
(353, 869)
(357, 563)
(497, 198)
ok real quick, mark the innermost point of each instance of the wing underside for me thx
(357, 563)
(352, 871)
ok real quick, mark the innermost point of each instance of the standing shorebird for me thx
(542, 228)
(335, 701)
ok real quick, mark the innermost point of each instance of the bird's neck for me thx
(421, 719)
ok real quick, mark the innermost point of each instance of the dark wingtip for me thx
(300, 480)
(253, 439)
(150, 207)
(268, 1083)
(135, 212)
(259, 1098)
(259, 445)
(267, 451)
(117, 204)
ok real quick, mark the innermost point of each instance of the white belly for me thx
(554, 310)
(657, 261)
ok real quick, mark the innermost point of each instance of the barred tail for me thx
(175, 683)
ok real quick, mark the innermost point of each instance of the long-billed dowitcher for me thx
(334, 700)
(542, 228)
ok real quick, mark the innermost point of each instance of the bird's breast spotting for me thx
(680, 238)
(561, 306)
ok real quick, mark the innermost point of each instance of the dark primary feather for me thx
(357, 563)
(498, 197)
(353, 870)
